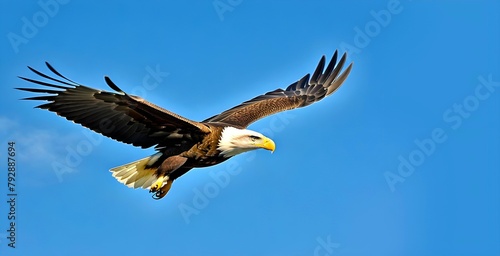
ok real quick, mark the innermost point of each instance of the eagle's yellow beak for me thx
(267, 144)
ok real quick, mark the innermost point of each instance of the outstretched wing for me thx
(126, 118)
(299, 94)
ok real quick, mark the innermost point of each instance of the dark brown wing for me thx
(299, 94)
(126, 118)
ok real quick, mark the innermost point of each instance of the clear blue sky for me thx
(402, 160)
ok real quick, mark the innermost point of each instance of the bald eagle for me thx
(180, 143)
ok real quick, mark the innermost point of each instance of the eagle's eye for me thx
(254, 138)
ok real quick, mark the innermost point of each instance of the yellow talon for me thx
(157, 185)
(163, 191)
(159, 188)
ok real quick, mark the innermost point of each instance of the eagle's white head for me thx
(234, 141)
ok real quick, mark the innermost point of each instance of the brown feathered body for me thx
(200, 151)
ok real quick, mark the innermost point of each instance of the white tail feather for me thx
(135, 174)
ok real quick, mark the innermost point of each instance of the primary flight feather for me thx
(181, 143)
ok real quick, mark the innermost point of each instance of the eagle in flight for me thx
(181, 143)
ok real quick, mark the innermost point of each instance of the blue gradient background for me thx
(326, 182)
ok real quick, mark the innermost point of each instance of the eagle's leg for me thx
(159, 194)
(159, 188)
(157, 185)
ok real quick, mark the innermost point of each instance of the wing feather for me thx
(305, 91)
(126, 118)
